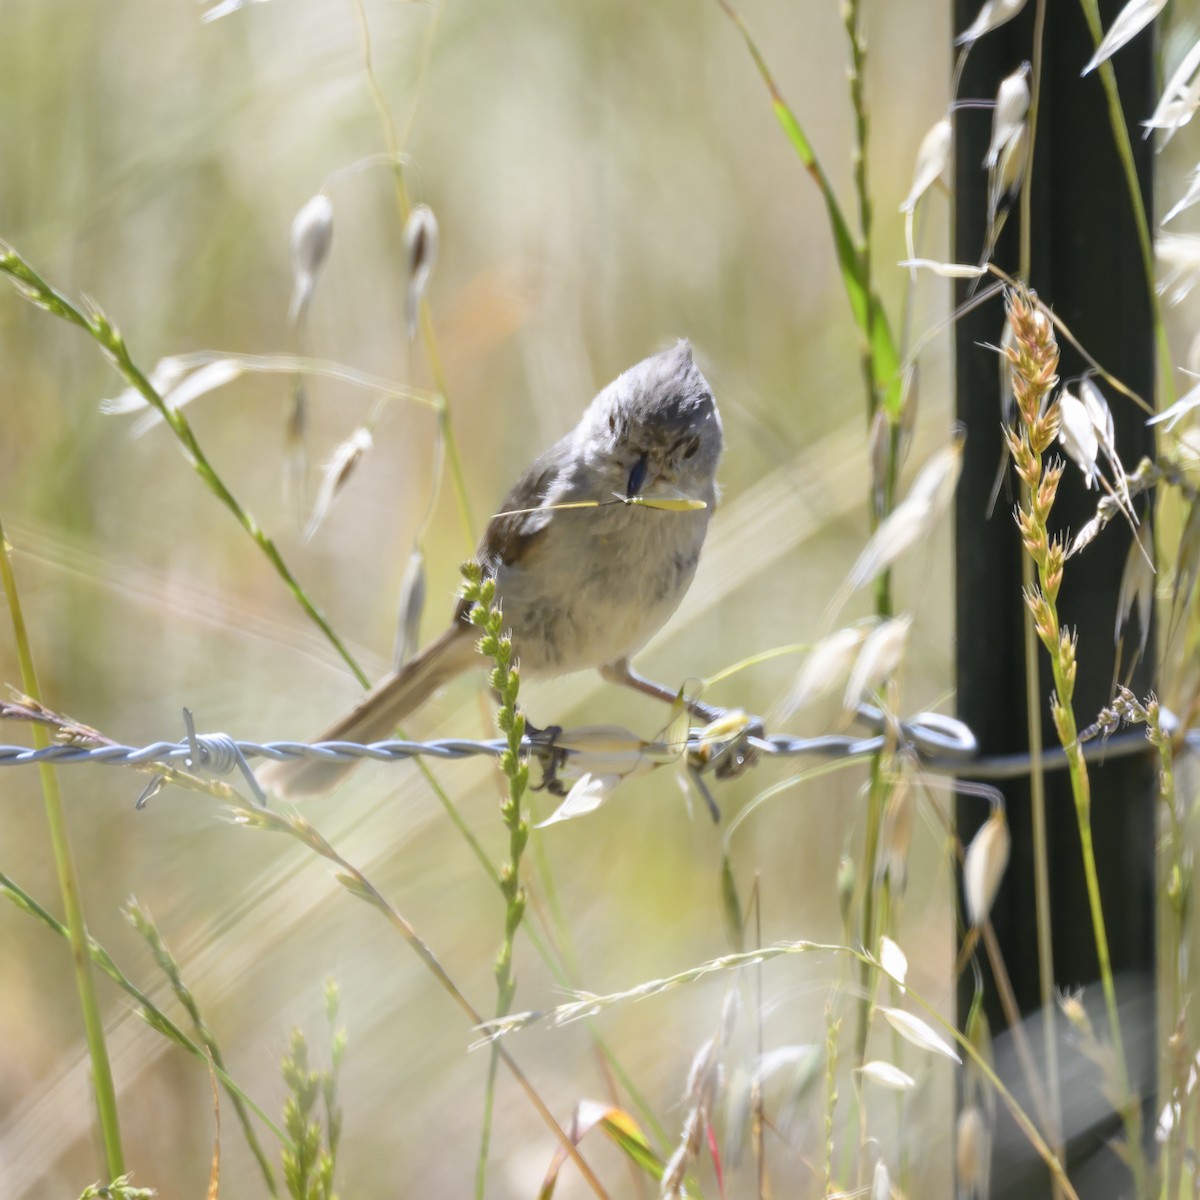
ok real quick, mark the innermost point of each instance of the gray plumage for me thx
(579, 587)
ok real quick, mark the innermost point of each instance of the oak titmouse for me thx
(580, 587)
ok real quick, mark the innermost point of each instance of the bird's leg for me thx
(622, 673)
(732, 758)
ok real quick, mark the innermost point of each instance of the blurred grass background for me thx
(607, 177)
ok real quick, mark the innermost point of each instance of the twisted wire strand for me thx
(942, 744)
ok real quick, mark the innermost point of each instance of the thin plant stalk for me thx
(106, 335)
(486, 615)
(428, 336)
(68, 882)
(148, 1010)
(39, 292)
(879, 787)
(358, 885)
(1173, 914)
(144, 923)
(852, 19)
(1034, 360)
(1033, 688)
(576, 1009)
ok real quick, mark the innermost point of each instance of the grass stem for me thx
(68, 882)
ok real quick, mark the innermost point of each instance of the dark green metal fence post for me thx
(1086, 264)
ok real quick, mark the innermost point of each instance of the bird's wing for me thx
(521, 520)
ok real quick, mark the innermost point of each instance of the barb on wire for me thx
(942, 744)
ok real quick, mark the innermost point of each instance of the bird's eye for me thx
(691, 447)
(637, 476)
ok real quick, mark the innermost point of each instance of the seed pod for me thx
(1008, 117)
(412, 605)
(421, 247)
(341, 466)
(972, 1153)
(984, 866)
(826, 667)
(1137, 587)
(879, 657)
(1078, 435)
(992, 15)
(312, 235)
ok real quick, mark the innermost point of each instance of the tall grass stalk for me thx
(428, 335)
(140, 918)
(1043, 917)
(589, 1005)
(68, 882)
(505, 679)
(106, 335)
(1034, 361)
(358, 885)
(147, 1009)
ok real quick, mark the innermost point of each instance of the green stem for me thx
(106, 335)
(1131, 1111)
(1059, 649)
(357, 884)
(1172, 893)
(876, 801)
(1041, 861)
(68, 882)
(852, 19)
(485, 613)
(153, 1015)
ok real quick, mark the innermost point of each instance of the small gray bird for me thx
(579, 587)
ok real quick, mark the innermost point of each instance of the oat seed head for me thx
(312, 236)
(341, 467)
(420, 247)
(880, 656)
(1180, 98)
(1008, 117)
(984, 866)
(1127, 24)
(992, 14)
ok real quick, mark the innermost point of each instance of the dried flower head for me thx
(1077, 434)
(893, 960)
(881, 1183)
(933, 157)
(1179, 254)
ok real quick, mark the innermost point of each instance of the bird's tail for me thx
(375, 716)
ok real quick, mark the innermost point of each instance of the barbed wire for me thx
(940, 744)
